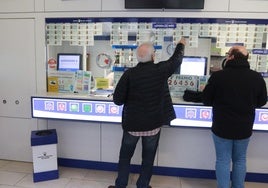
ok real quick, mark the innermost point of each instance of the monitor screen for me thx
(192, 65)
(69, 62)
(166, 4)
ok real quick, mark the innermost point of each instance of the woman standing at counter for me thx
(233, 93)
(147, 106)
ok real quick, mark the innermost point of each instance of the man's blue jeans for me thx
(227, 150)
(128, 145)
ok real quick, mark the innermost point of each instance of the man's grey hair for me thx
(145, 52)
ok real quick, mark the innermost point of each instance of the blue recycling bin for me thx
(45, 161)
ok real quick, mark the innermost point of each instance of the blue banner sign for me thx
(164, 25)
(260, 51)
(170, 21)
(197, 116)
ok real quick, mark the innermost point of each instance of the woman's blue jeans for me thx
(228, 150)
(128, 145)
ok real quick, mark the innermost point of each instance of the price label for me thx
(179, 83)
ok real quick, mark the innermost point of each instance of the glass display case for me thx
(107, 45)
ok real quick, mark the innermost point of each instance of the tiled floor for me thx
(15, 174)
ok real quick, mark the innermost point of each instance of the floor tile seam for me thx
(90, 180)
(70, 181)
(6, 163)
(180, 182)
(99, 180)
(19, 181)
(14, 171)
(88, 176)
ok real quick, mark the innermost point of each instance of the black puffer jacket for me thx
(143, 90)
(234, 93)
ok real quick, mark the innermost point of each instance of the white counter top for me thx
(104, 97)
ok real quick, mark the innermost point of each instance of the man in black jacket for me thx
(143, 90)
(233, 93)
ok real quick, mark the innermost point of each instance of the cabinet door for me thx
(77, 140)
(111, 136)
(15, 138)
(17, 6)
(72, 5)
(17, 72)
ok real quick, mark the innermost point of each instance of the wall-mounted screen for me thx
(193, 65)
(168, 4)
(69, 62)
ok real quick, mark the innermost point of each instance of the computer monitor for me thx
(69, 62)
(193, 65)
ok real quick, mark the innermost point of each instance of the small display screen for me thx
(69, 62)
(196, 66)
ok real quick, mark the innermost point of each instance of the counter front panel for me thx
(189, 115)
(76, 109)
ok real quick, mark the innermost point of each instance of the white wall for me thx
(78, 5)
(18, 83)
(17, 6)
(256, 6)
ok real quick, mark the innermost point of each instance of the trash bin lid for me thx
(44, 137)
